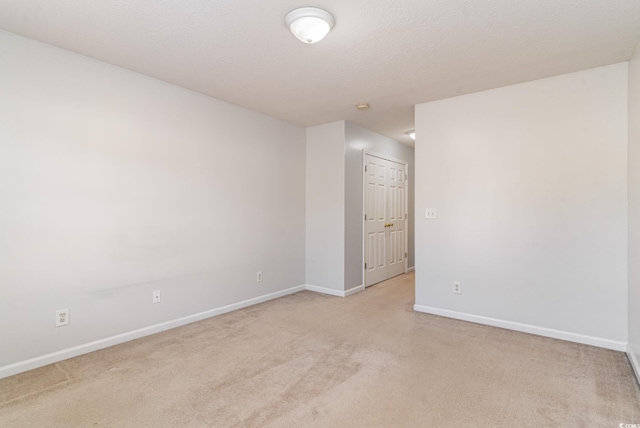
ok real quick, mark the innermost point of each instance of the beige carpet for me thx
(310, 360)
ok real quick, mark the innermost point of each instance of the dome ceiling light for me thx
(411, 134)
(309, 24)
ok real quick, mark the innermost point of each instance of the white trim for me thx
(54, 357)
(526, 328)
(324, 290)
(354, 290)
(332, 292)
(411, 269)
(385, 157)
(632, 351)
(364, 210)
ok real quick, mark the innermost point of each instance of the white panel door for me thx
(385, 219)
(375, 220)
(397, 215)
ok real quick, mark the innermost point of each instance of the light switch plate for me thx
(431, 213)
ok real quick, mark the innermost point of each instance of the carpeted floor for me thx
(310, 360)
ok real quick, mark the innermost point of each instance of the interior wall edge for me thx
(632, 351)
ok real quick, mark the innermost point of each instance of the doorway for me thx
(385, 217)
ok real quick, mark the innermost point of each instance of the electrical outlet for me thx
(62, 317)
(431, 213)
(259, 276)
(156, 296)
(457, 288)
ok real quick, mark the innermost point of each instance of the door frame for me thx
(366, 152)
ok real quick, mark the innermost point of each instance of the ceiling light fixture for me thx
(309, 24)
(362, 106)
(411, 134)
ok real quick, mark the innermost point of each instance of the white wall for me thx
(113, 184)
(634, 208)
(325, 206)
(357, 139)
(530, 184)
(334, 202)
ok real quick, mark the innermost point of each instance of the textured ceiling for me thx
(391, 54)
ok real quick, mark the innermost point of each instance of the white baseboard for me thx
(324, 290)
(54, 357)
(332, 292)
(632, 352)
(411, 269)
(354, 290)
(526, 328)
